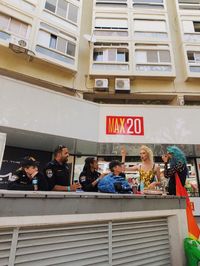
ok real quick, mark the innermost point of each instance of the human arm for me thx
(87, 184)
(157, 174)
(20, 183)
(106, 184)
(19, 186)
(123, 154)
(72, 187)
(53, 176)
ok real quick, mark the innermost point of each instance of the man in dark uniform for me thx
(28, 177)
(57, 171)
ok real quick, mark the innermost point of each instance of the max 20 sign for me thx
(125, 125)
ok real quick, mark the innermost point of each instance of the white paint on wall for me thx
(28, 107)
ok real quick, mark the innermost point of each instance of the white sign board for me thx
(155, 124)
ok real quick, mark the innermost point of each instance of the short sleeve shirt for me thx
(57, 174)
(86, 180)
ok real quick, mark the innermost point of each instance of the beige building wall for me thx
(177, 86)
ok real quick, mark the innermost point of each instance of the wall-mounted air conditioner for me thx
(18, 44)
(122, 85)
(101, 84)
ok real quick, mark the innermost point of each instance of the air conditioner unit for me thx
(18, 44)
(101, 84)
(122, 85)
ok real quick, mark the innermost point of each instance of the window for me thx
(110, 55)
(14, 26)
(196, 26)
(153, 60)
(73, 13)
(193, 57)
(189, 4)
(190, 26)
(51, 5)
(191, 30)
(63, 9)
(53, 40)
(56, 46)
(145, 28)
(152, 56)
(111, 3)
(98, 56)
(158, 4)
(111, 27)
(106, 23)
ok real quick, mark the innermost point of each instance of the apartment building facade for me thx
(146, 50)
(105, 51)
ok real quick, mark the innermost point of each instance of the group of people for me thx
(56, 175)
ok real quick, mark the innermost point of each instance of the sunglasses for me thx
(60, 148)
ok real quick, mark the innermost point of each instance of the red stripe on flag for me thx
(193, 229)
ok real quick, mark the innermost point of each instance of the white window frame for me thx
(105, 49)
(110, 3)
(13, 33)
(55, 50)
(150, 3)
(189, 6)
(195, 61)
(66, 19)
(158, 54)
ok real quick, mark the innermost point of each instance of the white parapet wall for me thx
(79, 229)
(32, 108)
(130, 238)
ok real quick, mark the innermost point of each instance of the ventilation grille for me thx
(141, 243)
(124, 243)
(5, 246)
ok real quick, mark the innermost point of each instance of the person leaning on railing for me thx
(57, 171)
(175, 163)
(28, 177)
(90, 177)
(114, 182)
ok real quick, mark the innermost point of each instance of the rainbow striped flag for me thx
(193, 229)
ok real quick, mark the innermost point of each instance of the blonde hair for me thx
(148, 151)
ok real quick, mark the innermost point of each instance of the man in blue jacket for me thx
(114, 182)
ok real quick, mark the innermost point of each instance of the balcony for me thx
(149, 28)
(110, 58)
(109, 26)
(192, 61)
(153, 60)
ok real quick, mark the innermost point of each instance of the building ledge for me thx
(30, 203)
(38, 82)
(129, 98)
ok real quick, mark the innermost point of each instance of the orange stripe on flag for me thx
(193, 229)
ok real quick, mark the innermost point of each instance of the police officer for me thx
(90, 177)
(57, 171)
(28, 177)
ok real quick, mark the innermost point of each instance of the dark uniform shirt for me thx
(23, 182)
(57, 174)
(86, 180)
